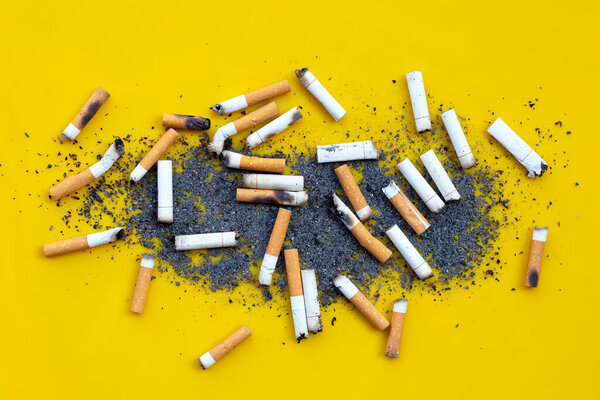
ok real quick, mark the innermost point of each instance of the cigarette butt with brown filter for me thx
(223, 348)
(143, 283)
(182, 121)
(393, 344)
(153, 155)
(536, 254)
(252, 98)
(354, 194)
(240, 161)
(266, 196)
(269, 261)
(366, 308)
(292, 267)
(406, 208)
(87, 112)
(83, 242)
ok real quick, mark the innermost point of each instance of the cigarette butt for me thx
(406, 208)
(343, 152)
(153, 155)
(274, 127)
(87, 112)
(223, 348)
(189, 122)
(143, 283)
(267, 267)
(420, 185)
(312, 84)
(418, 99)
(292, 267)
(249, 99)
(354, 194)
(164, 180)
(458, 139)
(206, 240)
(311, 301)
(536, 254)
(240, 161)
(265, 196)
(274, 182)
(398, 313)
(83, 242)
(368, 310)
(440, 176)
(410, 254)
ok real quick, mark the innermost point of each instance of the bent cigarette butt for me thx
(267, 267)
(410, 254)
(274, 127)
(83, 242)
(206, 241)
(362, 208)
(368, 310)
(358, 230)
(406, 208)
(458, 139)
(420, 185)
(418, 99)
(85, 177)
(143, 283)
(312, 84)
(223, 348)
(153, 155)
(164, 180)
(182, 121)
(439, 176)
(535, 165)
(252, 98)
(240, 161)
(392, 348)
(292, 267)
(87, 112)
(265, 196)
(536, 254)
(311, 300)
(342, 152)
(274, 182)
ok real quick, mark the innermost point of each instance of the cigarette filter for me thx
(223, 348)
(87, 112)
(189, 122)
(206, 241)
(248, 121)
(83, 242)
(84, 178)
(153, 155)
(410, 254)
(458, 138)
(536, 254)
(358, 230)
(165, 190)
(274, 127)
(393, 344)
(354, 194)
(311, 300)
(423, 189)
(267, 267)
(318, 90)
(406, 208)
(439, 176)
(142, 284)
(418, 98)
(342, 152)
(292, 267)
(265, 196)
(252, 98)
(274, 182)
(240, 161)
(518, 148)
(359, 300)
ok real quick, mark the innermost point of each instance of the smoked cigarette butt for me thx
(368, 310)
(312, 84)
(311, 301)
(409, 252)
(143, 283)
(458, 139)
(274, 127)
(274, 182)
(406, 208)
(267, 267)
(223, 348)
(189, 122)
(252, 98)
(342, 152)
(292, 267)
(206, 240)
(83, 242)
(536, 254)
(398, 313)
(418, 99)
(240, 161)
(354, 194)
(164, 180)
(153, 155)
(420, 185)
(266, 196)
(440, 176)
(87, 112)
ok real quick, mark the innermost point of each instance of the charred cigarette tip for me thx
(536, 255)
(300, 72)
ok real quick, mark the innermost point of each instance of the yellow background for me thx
(66, 331)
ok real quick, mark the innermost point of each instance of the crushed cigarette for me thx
(83, 242)
(406, 208)
(153, 155)
(143, 283)
(164, 179)
(293, 183)
(420, 185)
(206, 240)
(366, 308)
(223, 348)
(358, 201)
(311, 300)
(251, 98)
(315, 87)
(439, 176)
(410, 254)
(392, 348)
(266, 196)
(342, 152)
(269, 261)
(536, 255)
(292, 267)
(458, 139)
(240, 161)
(87, 112)
(189, 122)
(418, 98)
(274, 127)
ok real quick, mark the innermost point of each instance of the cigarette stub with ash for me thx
(420, 185)
(206, 241)
(269, 261)
(359, 231)
(366, 308)
(536, 254)
(418, 99)
(86, 113)
(358, 201)
(392, 348)
(240, 161)
(266, 196)
(440, 176)
(535, 165)
(143, 283)
(274, 127)
(292, 267)
(186, 122)
(410, 254)
(342, 152)
(84, 178)
(223, 348)
(406, 208)
(458, 139)
(252, 98)
(292, 183)
(164, 179)
(248, 121)
(312, 84)
(153, 155)
(83, 242)
(311, 300)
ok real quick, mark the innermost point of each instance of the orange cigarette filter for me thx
(256, 117)
(536, 255)
(269, 261)
(366, 308)
(406, 208)
(143, 283)
(395, 337)
(292, 266)
(86, 113)
(153, 155)
(223, 348)
(267, 93)
(358, 201)
(189, 122)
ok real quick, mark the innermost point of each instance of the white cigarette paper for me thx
(276, 182)
(418, 98)
(274, 127)
(299, 317)
(458, 138)
(410, 254)
(165, 190)
(347, 152)
(100, 238)
(423, 189)
(222, 134)
(206, 241)
(440, 176)
(116, 150)
(311, 300)
(535, 165)
(318, 90)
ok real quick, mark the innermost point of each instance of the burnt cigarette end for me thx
(196, 123)
(301, 337)
(300, 72)
(120, 234)
(533, 278)
(543, 168)
(345, 218)
(216, 107)
(224, 158)
(297, 116)
(392, 354)
(89, 113)
(120, 146)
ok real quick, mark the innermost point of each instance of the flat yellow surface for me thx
(66, 330)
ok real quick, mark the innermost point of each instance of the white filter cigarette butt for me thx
(410, 254)
(267, 267)
(292, 267)
(274, 182)
(206, 241)
(249, 99)
(358, 201)
(395, 337)
(342, 152)
(536, 255)
(311, 300)
(406, 208)
(153, 155)
(366, 308)
(87, 112)
(418, 98)
(165, 190)
(83, 242)
(143, 283)
(439, 176)
(318, 90)
(458, 138)
(266, 196)
(274, 127)
(223, 348)
(420, 185)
